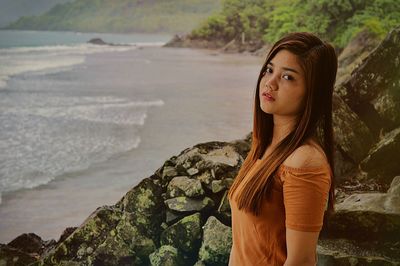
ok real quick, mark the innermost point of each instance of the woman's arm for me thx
(301, 248)
(305, 196)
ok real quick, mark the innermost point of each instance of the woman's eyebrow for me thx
(285, 68)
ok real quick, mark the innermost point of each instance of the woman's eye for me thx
(268, 70)
(287, 77)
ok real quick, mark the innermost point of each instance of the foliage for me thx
(334, 20)
(172, 16)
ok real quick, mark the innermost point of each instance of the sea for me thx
(81, 124)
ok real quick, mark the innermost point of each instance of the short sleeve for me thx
(305, 196)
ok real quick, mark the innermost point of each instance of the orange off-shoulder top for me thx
(298, 200)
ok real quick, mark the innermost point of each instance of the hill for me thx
(124, 16)
(10, 10)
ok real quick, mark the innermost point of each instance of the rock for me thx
(66, 233)
(370, 216)
(226, 155)
(217, 242)
(113, 251)
(372, 89)
(165, 256)
(188, 41)
(176, 41)
(188, 157)
(224, 209)
(99, 41)
(28, 243)
(220, 156)
(192, 171)
(358, 48)
(352, 135)
(243, 145)
(173, 216)
(199, 263)
(169, 171)
(185, 234)
(387, 106)
(138, 239)
(377, 164)
(146, 204)
(14, 256)
(344, 168)
(92, 232)
(206, 179)
(263, 51)
(184, 186)
(219, 185)
(337, 252)
(184, 204)
(228, 46)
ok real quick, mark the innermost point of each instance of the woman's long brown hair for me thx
(319, 62)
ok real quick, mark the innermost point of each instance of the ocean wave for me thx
(24, 174)
(18, 60)
(94, 109)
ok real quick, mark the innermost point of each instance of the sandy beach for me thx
(206, 96)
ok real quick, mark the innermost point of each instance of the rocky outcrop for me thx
(358, 48)
(235, 45)
(99, 41)
(180, 215)
(24, 250)
(353, 137)
(377, 164)
(372, 90)
(365, 130)
(367, 216)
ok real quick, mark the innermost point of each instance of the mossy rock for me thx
(217, 242)
(184, 204)
(184, 234)
(93, 232)
(184, 186)
(166, 255)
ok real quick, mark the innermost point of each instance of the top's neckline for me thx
(301, 169)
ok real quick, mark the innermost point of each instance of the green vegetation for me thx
(123, 16)
(334, 20)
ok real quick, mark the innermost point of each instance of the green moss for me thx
(144, 198)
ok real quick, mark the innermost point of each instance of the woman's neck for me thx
(283, 125)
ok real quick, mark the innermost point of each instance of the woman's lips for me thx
(268, 97)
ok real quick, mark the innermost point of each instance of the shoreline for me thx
(29, 210)
(234, 46)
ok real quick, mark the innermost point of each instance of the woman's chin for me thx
(266, 109)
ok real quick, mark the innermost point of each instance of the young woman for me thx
(279, 197)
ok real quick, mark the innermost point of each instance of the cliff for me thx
(180, 214)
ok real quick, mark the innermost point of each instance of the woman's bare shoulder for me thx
(308, 155)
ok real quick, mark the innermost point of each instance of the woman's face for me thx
(284, 80)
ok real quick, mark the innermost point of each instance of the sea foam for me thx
(18, 60)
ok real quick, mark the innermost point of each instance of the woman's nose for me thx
(270, 83)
